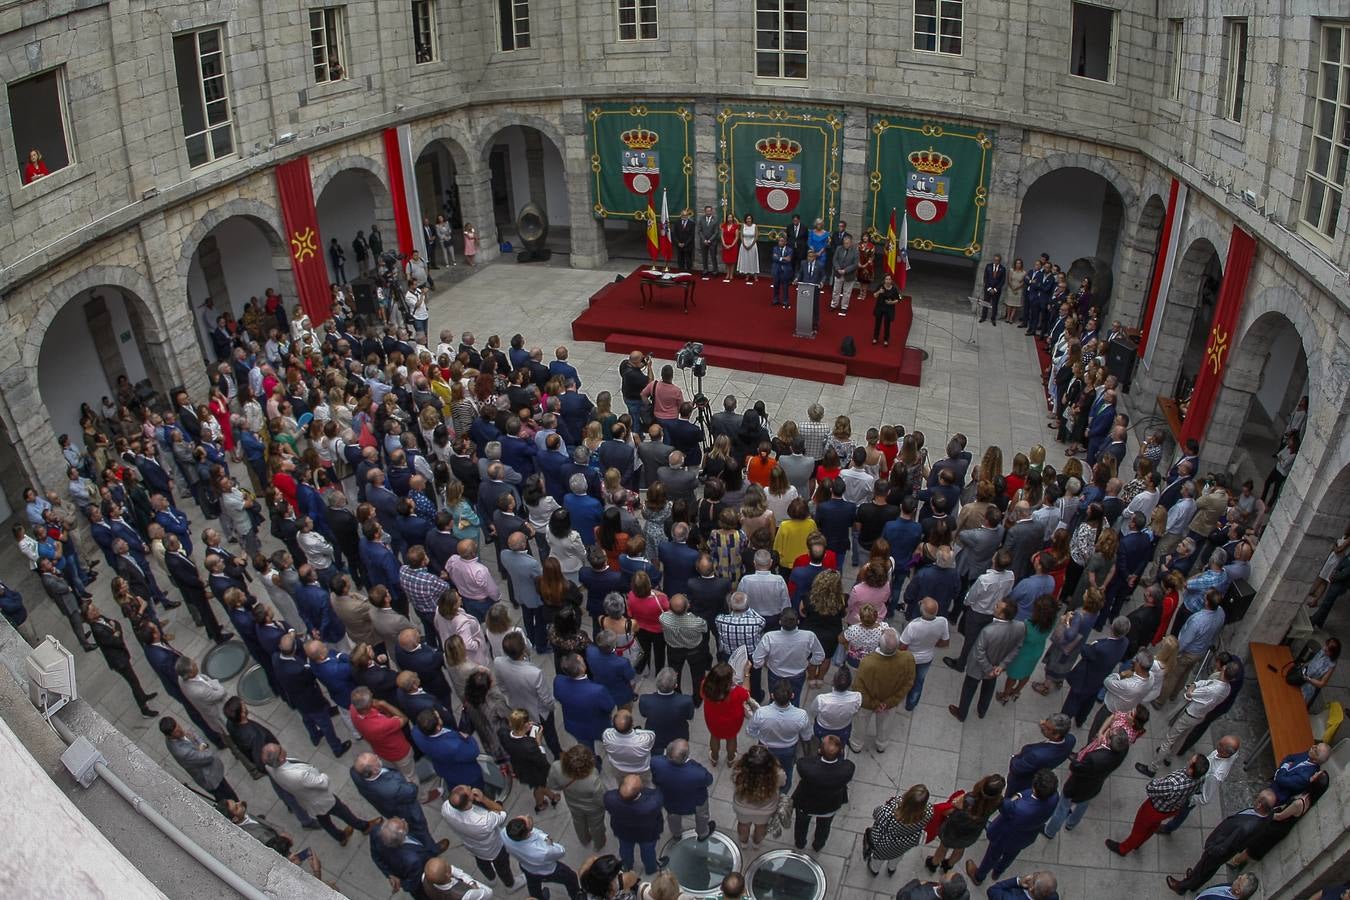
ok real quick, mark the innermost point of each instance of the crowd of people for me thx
(473, 555)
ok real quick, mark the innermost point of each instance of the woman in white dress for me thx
(747, 263)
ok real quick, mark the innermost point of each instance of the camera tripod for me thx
(701, 414)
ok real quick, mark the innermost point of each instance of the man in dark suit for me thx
(137, 575)
(822, 789)
(107, 635)
(157, 478)
(709, 242)
(1230, 837)
(686, 436)
(995, 277)
(574, 411)
(1044, 755)
(796, 239)
(1100, 421)
(453, 755)
(411, 699)
(707, 592)
(413, 655)
(1087, 777)
(400, 856)
(302, 689)
(635, 819)
(187, 578)
(781, 268)
(1020, 819)
(1036, 886)
(836, 241)
(393, 796)
(1098, 660)
(813, 273)
(1116, 446)
(441, 543)
(163, 658)
(684, 785)
(682, 232)
(667, 712)
(653, 452)
(951, 887)
(586, 705)
(678, 559)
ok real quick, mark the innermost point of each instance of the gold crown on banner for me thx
(930, 161)
(640, 138)
(779, 148)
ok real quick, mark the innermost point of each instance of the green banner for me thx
(637, 149)
(774, 162)
(938, 173)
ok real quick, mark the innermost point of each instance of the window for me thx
(937, 26)
(637, 20)
(780, 38)
(40, 132)
(513, 18)
(1094, 42)
(203, 95)
(328, 50)
(425, 49)
(1324, 183)
(1234, 68)
(1176, 46)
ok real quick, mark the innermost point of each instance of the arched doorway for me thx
(352, 200)
(437, 175)
(235, 262)
(1190, 308)
(97, 339)
(1076, 216)
(1147, 244)
(526, 166)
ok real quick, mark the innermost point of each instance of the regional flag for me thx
(902, 270)
(653, 241)
(665, 249)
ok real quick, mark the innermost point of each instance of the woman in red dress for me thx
(220, 411)
(36, 168)
(867, 259)
(731, 246)
(723, 709)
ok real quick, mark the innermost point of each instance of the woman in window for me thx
(36, 168)
(747, 262)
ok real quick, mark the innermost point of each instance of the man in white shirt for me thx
(981, 601)
(765, 590)
(833, 711)
(922, 637)
(627, 748)
(1221, 760)
(787, 652)
(1125, 691)
(1201, 697)
(1144, 501)
(441, 881)
(779, 726)
(477, 822)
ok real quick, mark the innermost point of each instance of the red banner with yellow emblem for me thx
(1219, 344)
(296, 193)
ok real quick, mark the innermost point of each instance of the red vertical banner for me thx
(1161, 265)
(393, 163)
(296, 193)
(1236, 271)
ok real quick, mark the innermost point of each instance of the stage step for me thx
(734, 358)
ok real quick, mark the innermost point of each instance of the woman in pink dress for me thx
(470, 242)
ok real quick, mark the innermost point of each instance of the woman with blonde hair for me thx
(822, 614)
(840, 438)
(523, 742)
(864, 636)
(458, 664)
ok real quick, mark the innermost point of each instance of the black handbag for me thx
(1294, 674)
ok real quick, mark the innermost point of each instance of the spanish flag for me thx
(653, 234)
(890, 245)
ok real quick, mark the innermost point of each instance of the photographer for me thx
(636, 372)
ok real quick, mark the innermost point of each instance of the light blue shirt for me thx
(1027, 591)
(1180, 515)
(523, 569)
(1200, 631)
(778, 727)
(538, 854)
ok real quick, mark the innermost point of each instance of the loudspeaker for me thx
(532, 223)
(1121, 355)
(1237, 601)
(363, 298)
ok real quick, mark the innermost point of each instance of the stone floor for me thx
(990, 392)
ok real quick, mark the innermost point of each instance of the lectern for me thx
(806, 310)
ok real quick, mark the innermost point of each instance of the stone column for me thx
(1002, 214)
(32, 434)
(176, 353)
(475, 201)
(1241, 380)
(105, 340)
(1133, 268)
(854, 193)
(588, 232)
(707, 189)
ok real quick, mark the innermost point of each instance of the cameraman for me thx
(636, 372)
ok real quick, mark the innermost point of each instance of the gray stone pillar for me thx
(475, 201)
(1002, 214)
(707, 189)
(31, 432)
(1133, 267)
(176, 352)
(105, 340)
(853, 177)
(588, 232)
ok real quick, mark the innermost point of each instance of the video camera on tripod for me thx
(690, 356)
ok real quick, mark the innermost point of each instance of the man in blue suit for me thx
(574, 411)
(1046, 755)
(1036, 886)
(1136, 552)
(1100, 420)
(400, 856)
(635, 818)
(173, 521)
(385, 502)
(393, 796)
(667, 712)
(157, 478)
(1018, 823)
(677, 560)
(782, 270)
(316, 607)
(995, 277)
(611, 671)
(413, 700)
(381, 565)
(684, 784)
(560, 366)
(102, 532)
(811, 271)
(334, 672)
(580, 464)
(1098, 660)
(454, 756)
(517, 452)
(163, 658)
(302, 688)
(413, 655)
(686, 436)
(586, 705)
(551, 462)
(586, 511)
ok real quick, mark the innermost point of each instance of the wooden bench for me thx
(1286, 713)
(1171, 411)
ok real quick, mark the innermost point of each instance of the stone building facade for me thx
(131, 211)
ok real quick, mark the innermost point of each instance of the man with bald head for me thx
(1036, 886)
(635, 372)
(1230, 837)
(686, 637)
(477, 822)
(1221, 760)
(1296, 771)
(442, 881)
(635, 818)
(629, 748)
(477, 588)
(393, 796)
(413, 655)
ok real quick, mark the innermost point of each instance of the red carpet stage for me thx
(740, 330)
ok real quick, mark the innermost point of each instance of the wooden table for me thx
(651, 280)
(1171, 411)
(1286, 713)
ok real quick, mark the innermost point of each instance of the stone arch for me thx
(1034, 171)
(261, 214)
(372, 171)
(453, 137)
(131, 281)
(494, 125)
(347, 218)
(506, 186)
(1177, 320)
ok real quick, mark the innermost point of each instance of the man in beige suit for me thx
(312, 791)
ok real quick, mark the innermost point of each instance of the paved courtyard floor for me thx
(992, 393)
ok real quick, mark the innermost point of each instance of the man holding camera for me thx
(636, 372)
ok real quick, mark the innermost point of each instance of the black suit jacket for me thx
(683, 232)
(822, 786)
(1233, 834)
(1088, 777)
(186, 577)
(251, 738)
(136, 578)
(994, 281)
(108, 635)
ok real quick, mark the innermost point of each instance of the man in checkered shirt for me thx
(741, 627)
(422, 588)
(1167, 795)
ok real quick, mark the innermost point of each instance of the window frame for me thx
(1176, 33)
(516, 19)
(208, 129)
(937, 34)
(1234, 82)
(21, 155)
(433, 38)
(781, 52)
(1338, 138)
(637, 7)
(338, 27)
(1113, 44)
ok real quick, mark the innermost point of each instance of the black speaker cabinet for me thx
(1121, 355)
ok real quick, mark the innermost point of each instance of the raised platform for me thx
(739, 329)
